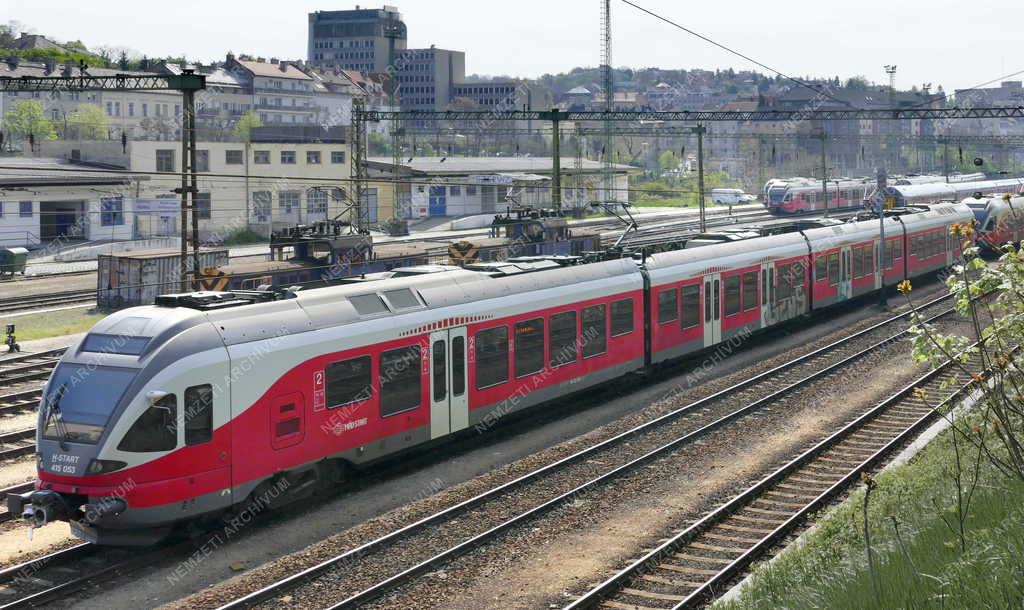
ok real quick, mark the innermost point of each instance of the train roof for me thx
(941, 189)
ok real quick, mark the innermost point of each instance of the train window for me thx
(858, 261)
(440, 370)
(622, 317)
(400, 379)
(749, 290)
(155, 430)
(821, 268)
(897, 250)
(458, 366)
(785, 289)
(668, 306)
(491, 357)
(691, 306)
(717, 291)
(115, 344)
(707, 301)
(594, 328)
(833, 268)
(348, 381)
(764, 288)
(529, 347)
(869, 260)
(732, 295)
(368, 304)
(562, 333)
(402, 299)
(198, 414)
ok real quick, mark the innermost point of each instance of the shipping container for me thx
(128, 279)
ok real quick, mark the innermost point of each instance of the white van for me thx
(730, 196)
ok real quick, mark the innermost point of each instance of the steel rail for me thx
(617, 582)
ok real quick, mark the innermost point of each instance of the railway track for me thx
(423, 546)
(19, 402)
(17, 443)
(696, 564)
(38, 301)
(15, 370)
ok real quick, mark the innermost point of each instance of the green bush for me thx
(241, 237)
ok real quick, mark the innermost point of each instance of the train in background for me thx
(165, 414)
(915, 194)
(801, 195)
(998, 220)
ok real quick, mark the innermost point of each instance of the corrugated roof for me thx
(22, 172)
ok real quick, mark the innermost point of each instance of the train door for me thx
(845, 273)
(879, 264)
(949, 243)
(712, 309)
(766, 304)
(449, 401)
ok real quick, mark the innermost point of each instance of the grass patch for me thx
(930, 569)
(54, 323)
(677, 202)
(243, 237)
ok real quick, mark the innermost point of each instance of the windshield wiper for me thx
(53, 411)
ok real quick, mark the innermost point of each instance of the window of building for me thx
(1, 209)
(732, 295)
(316, 203)
(203, 206)
(202, 161)
(691, 306)
(287, 157)
(145, 110)
(470, 191)
(25, 209)
(233, 157)
(348, 381)
(529, 347)
(313, 157)
(289, 201)
(111, 211)
(668, 306)
(337, 156)
(622, 317)
(562, 333)
(261, 157)
(594, 331)
(261, 206)
(400, 380)
(749, 290)
(199, 414)
(491, 357)
(165, 160)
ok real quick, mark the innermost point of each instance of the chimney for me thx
(230, 57)
(68, 69)
(49, 64)
(273, 60)
(13, 61)
(283, 66)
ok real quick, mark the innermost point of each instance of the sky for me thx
(953, 44)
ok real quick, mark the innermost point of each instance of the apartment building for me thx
(360, 39)
(262, 186)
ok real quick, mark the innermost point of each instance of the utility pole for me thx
(945, 157)
(556, 162)
(699, 130)
(824, 171)
(184, 192)
(358, 162)
(189, 114)
(880, 205)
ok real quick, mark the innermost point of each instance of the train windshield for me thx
(80, 399)
(776, 193)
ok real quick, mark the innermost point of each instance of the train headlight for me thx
(104, 466)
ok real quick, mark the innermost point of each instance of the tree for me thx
(857, 83)
(159, 128)
(90, 122)
(668, 160)
(246, 123)
(27, 120)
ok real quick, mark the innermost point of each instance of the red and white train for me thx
(801, 195)
(167, 413)
(999, 220)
